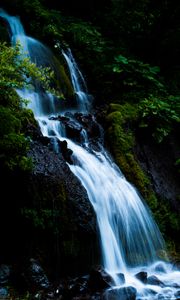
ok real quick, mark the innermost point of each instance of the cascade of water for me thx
(78, 82)
(41, 103)
(130, 239)
(17, 30)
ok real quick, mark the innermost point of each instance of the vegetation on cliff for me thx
(17, 72)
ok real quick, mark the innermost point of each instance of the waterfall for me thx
(82, 97)
(16, 30)
(130, 239)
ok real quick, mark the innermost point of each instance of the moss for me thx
(120, 120)
(27, 118)
(62, 80)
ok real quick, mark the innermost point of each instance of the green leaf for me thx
(121, 59)
(116, 69)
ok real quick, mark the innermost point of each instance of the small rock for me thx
(3, 292)
(177, 295)
(4, 274)
(35, 275)
(121, 277)
(160, 268)
(153, 280)
(125, 293)
(142, 276)
(99, 279)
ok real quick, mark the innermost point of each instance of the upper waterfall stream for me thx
(130, 239)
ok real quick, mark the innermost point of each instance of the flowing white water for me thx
(78, 82)
(17, 30)
(130, 239)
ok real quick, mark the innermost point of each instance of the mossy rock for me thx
(62, 79)
(121, 140)
(121, 124)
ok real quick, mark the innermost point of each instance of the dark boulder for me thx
(124, 293)
(4, 293)
(99, 279)
(5, 272)
(121, 278)
(154, 280)
(142, 276)
(35, 276)
(66, 152)
(177, 295)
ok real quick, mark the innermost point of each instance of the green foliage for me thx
(13, 148)
(16, 72)
(160, 115)
(87, 35)
(136, 74)
(63, 29)
(177, 164)
(158, 111)
(13, 144)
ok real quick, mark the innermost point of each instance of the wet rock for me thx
(35, 275)
(125, 293)
(44, 140)
(34, 131)
(96, 296)
(175, 285)
(58, 220)
(149, 292)
(77, 289)
(79, 213)
(177, 295)
(76, 286)
(59, 118)
(73, 129)
(66, 152)
(176, 264)
(99, 279)
(50, 171)
(153, 280)
(3, 293)
(89, 124)
(142, 276)
(5, 272)
(69, 114)
(160, 268)
(157, 159)
(166, 293)
(121, 277)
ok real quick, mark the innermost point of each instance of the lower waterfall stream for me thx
(130, 239)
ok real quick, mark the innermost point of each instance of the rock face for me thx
(62, 196)
(158, 160)
(53, 170)
(47, 215)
